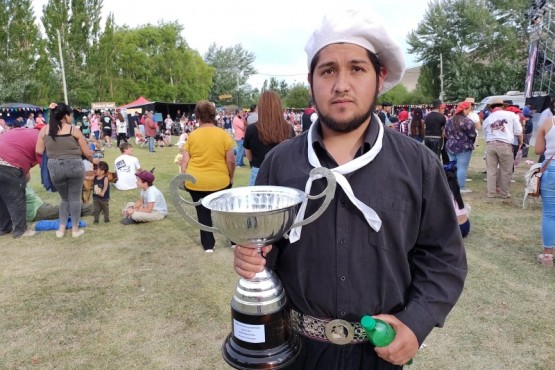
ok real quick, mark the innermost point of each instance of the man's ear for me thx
(309, 80)
(381, 78)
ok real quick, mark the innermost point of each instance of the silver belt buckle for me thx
(339, 331)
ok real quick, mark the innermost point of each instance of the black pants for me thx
(317, 355)
(12, 201)
(122, 136)
(434, 144)
(204, 217)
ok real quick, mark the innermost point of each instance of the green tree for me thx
(150, 60)
(77, 21)
(475, 38)
(297, 97)
(233, 66)
(397, 95)
(19, 42)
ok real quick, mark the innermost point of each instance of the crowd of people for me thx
(402, 235)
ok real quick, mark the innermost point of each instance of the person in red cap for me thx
(151, 205)
(461, 135)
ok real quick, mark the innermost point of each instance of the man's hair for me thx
(103, 166)
(253, 107)
(436, 103)
(124, 146)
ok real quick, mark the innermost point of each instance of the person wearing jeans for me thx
(461, 134)
(545, 145)
(239, 128)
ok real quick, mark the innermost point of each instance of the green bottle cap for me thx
(368, 323)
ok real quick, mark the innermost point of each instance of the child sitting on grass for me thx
(101, 193)
(151, 205)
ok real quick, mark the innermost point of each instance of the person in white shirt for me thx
(500, 129)
(151, 205)
(121, 128)
(126, 166)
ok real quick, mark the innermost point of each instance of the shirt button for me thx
(342, 313)
(343, 278)
(342, 241)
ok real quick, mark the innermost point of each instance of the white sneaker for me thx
(209, 251)
(468, 180)
(466, 191)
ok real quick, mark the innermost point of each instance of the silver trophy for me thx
(256, 216)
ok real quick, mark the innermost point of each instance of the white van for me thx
(517, 97)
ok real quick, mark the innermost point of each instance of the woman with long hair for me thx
(270, 130)
(545, 145)
(417, 130)
(121, 127)
(461, 134)
(208, 157)
(65, 146)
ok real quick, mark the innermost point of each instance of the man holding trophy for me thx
(388, 244)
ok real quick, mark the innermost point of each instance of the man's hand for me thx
(403, 347)
(248, 262)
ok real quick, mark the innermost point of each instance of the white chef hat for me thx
(363, 28)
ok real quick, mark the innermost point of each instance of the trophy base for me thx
(274, 358)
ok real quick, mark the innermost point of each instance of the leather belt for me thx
(336, 331)
(498, 142)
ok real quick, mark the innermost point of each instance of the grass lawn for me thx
(148, 297)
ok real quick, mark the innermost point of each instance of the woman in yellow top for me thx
(208, 157)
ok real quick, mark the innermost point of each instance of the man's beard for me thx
(346, 126)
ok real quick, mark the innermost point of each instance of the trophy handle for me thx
(178, 201)
(329, 193)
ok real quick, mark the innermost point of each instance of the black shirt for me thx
(435, 123)
(414, 267)
(256, 146)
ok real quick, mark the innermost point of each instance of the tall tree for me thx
(150, 60)
(233, 66)
(297, 97)
(475, 39)
(19, 43)
(77, 21)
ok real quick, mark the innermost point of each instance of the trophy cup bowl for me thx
(256, 216)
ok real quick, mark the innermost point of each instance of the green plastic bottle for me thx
(379, 332)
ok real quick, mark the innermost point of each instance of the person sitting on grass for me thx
(151, 205)
(38, 210)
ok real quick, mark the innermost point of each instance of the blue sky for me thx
(275, 31)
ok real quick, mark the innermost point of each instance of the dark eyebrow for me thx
(353, 61)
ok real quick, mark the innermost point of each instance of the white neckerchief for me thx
(369, 214)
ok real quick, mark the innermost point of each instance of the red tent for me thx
(137, 103)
